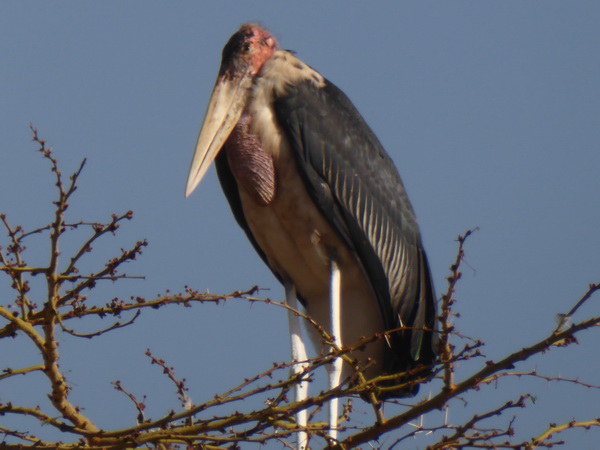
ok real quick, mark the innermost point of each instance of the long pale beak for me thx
(225, 108)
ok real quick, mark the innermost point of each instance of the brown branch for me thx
(534, 374)
(555, 429)
(25, 436)
(50, 354)
(565, 318)
(186, 401)
(60, 388)
(461, 431)
(24, 326)
(15, 249)
(33, 412)
(438, 401)
(446, 350)
(198, 425)
(99, 231)
(139, 405)
(114, 326)
(274, 415)
(13, 372)
(108, 272)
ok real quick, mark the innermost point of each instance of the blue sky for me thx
(491, 111)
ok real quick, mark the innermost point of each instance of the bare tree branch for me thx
(259, 409)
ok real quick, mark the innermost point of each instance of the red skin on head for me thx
(263, 45)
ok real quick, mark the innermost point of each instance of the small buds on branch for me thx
(139, 405)
(186, 401)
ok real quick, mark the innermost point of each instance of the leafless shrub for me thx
(205, 425)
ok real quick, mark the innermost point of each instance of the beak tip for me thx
(192, 184)
(188, 190)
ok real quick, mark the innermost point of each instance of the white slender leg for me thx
(298, 354)
(335, 369)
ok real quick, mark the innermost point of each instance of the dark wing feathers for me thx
(358, 189)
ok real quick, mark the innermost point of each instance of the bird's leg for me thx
(299, 356)
(335, 368)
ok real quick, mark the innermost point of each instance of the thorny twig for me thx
(446, 349)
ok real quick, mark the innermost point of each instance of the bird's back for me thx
(346, 180)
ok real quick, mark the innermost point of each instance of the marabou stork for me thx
(323, 205)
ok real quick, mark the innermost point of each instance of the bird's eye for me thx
(246, 47)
